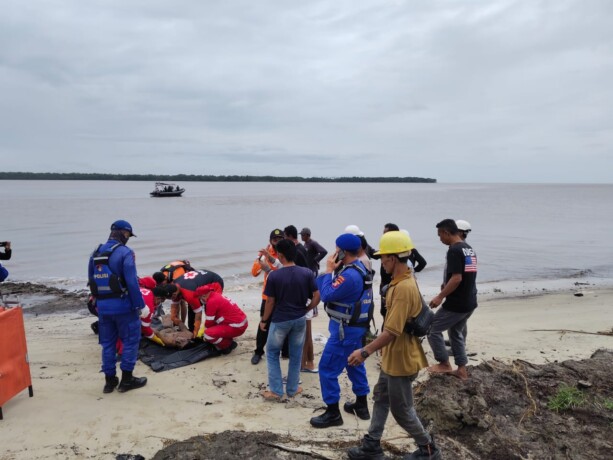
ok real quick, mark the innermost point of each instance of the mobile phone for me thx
(340, 256)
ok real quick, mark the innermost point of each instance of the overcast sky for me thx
(460, 91)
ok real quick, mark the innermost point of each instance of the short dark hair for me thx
(287, 248)
(391, 227)
(449, 225)
(159, 277)
(291, 231)
(363, 242)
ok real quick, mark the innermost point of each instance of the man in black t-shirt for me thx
(460, 294)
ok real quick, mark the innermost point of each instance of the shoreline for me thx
(222, 393)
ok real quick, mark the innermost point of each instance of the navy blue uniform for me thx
(345, 288)
(119, 315)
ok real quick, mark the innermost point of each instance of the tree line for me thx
(201, 178)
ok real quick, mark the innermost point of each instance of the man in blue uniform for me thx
(114, 284)
(346, 290)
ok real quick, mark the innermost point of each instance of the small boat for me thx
(163, 189)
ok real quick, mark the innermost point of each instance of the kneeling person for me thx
(224, 320)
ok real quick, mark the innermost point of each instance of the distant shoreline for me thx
(204, 178)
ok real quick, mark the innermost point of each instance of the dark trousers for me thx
(262, 337)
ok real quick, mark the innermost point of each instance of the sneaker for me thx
(255, 359)
(111, 382)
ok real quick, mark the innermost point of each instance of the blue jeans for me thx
(294, 330)
(126, 327)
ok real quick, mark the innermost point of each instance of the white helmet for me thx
(406, 232)
(463, 225)
(354, 230)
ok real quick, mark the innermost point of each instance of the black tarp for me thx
(160, 358)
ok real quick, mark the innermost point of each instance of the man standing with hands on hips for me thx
(114, 284)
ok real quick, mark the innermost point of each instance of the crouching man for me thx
(223, 319)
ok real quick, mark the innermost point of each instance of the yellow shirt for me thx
(403, 356)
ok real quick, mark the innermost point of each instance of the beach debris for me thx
(565, 331)
(578, 294)
(129, 457)
(584, 384)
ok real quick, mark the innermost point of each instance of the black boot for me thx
(129, 382)
(331, 417)
(427, 452)
(359, 408)
(227, 351)
(111, 382)
(369, 449)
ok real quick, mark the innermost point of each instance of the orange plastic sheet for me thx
(14, 365)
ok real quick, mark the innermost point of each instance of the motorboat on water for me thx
(164, 189)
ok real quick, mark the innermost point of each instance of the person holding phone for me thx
(346, 290)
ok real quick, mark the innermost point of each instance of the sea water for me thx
(523, 234)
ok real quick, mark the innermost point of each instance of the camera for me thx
(3, 244)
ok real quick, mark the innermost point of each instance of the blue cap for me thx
(348, 242)
(122, 225)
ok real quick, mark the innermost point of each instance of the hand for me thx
(331, 263)
(355, 358)
(263, 326)
(436, 301)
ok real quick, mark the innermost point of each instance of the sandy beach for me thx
(69, 416)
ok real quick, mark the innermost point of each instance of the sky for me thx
(459, 91)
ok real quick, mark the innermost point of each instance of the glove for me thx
(157, 340)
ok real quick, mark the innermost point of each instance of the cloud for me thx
(470, 92)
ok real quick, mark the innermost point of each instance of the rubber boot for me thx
(369, 449)
(111, 382)
(359, 408)
(427, 452)
(129, 382)
(331, 417)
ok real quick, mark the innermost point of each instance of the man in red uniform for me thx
(184, 288)
(147, 284)
(224, 320)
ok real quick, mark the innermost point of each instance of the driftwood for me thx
(295, 451)
(564, 331)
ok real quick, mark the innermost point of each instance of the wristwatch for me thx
(364, 353)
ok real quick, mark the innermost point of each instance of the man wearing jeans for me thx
(460, 294)
(402, 356)
(288, 291)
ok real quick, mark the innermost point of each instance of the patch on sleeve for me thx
(340, 279)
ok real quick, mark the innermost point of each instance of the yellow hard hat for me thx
(395, 242)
